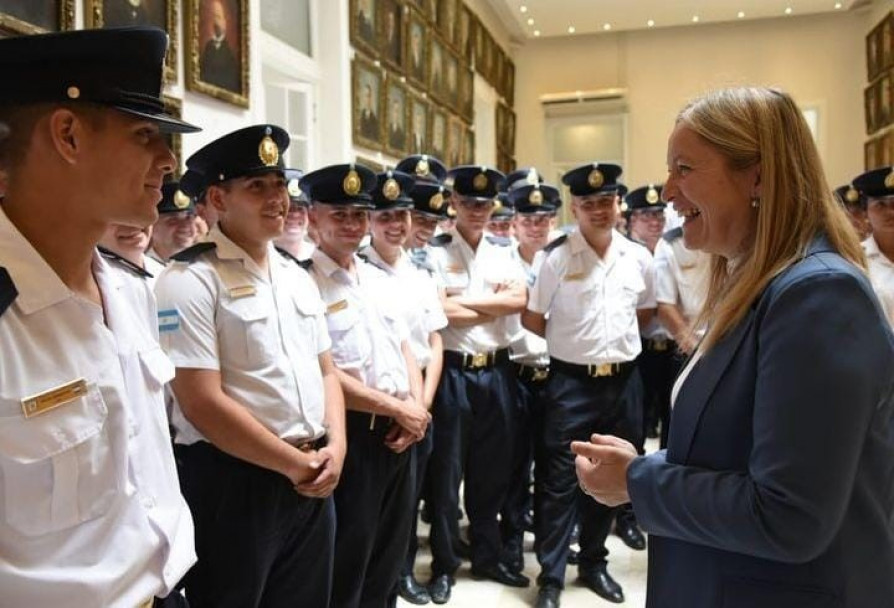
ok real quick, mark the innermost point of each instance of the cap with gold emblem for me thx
(876, 183)
(533, 199)
(119, 68)
(424, 168)
(503, 208)
(595, 178)
(293, 186)
(527, 176)
(476, 181)
(351, 184)
(646, 197)
(174, 200)
(430, 199)
(393, 190)
(249, 151)
(849, 196)
(193, 184)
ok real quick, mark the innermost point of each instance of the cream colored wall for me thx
(818, 59)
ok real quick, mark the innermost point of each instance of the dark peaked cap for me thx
(119, 68)
(248, 151)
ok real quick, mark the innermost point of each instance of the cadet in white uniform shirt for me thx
(92, 514)
(476, 407)
(382, 386)
(878, 188)
(597, 288)
(258, 417)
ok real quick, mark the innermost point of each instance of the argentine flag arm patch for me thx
(168, 320)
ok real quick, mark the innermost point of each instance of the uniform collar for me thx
(616, 248)
(228, 250)
(328, 266)
(870, 247)
(374, 256)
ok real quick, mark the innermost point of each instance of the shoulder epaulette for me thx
(555, 243)
(366, 259)
(440, 240)
(672, 235)
(8, 291)
(305, 264)
(501, 241)
(635, 240)
(190, 254)
(123, 262)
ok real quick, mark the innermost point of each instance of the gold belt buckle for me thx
(603, 369)
(478, 360)
(540, 373)
(659, 344)
(148, 603)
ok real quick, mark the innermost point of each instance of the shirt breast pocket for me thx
(575, 293)
(350, 344)
(58, 468)
(306, 322)
(247, 333)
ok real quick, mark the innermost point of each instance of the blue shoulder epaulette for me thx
(440, 240)
(305, 264)
(123, 262)
(672, 235)
(8, 291)
(555, 243)
(502, 241)
(190, 254)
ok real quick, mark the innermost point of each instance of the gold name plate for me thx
(53, 398)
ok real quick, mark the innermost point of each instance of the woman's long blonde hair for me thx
(762, 125)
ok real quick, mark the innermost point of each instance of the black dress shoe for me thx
(630, 534)
(573, 557)
(548, 597)
(598, 580)
(410, 589)
(439, 588)
(513, 556)
(501, 574)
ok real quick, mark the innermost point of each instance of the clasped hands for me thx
(601, 467)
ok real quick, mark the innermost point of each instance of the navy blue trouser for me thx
(476, 412)
(259, 543)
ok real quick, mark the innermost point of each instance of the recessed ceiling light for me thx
(695, 18)
(530, 21)
(571, 29)
(788, 10)
(650, 23)
(523, 8)
(741, 15)
(837, 5)
(537, 33)
(606, 26)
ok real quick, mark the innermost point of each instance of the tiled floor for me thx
(626, 566)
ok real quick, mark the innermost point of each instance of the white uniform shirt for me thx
(262, 331)
(592, 301)
(153, 267)
(462, 271)
(153, 255)
(681, 276)
(881, 275)
(419, 300)
(527, 347)
(90, 507)
(365, 323)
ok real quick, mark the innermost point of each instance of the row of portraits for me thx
(879, 151)
(505, 126)
(877, 101)
(880, 47)
(391, 117)
(216, 34)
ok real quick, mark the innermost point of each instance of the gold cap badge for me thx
(391, 189)
(532, 177)
(497, 205)
(422, 168)
(73, 92)
(536, 197)
(623, 206)
(436, 202)
(351, 184)
(293, 188)
(268, 151)
(480, 182)
(652, 195)
(451, 212)
(889, 181)
(851, 196)
(181, 201)
(595, 178)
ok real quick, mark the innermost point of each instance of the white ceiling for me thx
(554, 17)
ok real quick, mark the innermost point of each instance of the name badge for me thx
(243, 291)
(53, 398)
(575, 276)
(455, 269)
(335, 307)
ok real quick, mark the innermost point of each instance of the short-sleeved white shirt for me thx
(263, 331)
(591, 302)
(419, 300)
(365, 322)
(462, 271)
(527, 347)
(681, 276)
(881, 275)
(90, 507)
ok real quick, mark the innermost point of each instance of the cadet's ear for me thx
(66, 131)
(215, 196)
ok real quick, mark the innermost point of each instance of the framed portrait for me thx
(217, 62)
(455, 129)
(397, 127)
(510, 131)
(873, 61)
(870, 106)
(432, 9)
(451, 80)
(391, 33)
(36, 16)
(416, 53)
(500, 125)
(464, 33)
(510, 82)
(468, 151)
(437, 146)
(886, 41)
(369, 164)
(436, 59)
(478, 43)
(448, 13)
(121, 13)
(885, 150)
(499, 71)
(174, 107)
(418, 140)
(869, 155)
(366, 103)
(491, 56)
(363, 27)
(466, 93)
(883, 94)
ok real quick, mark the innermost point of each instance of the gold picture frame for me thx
(416, 51)
(391, 33)
(364, 26)
(367, 103)
(174, 107)
(163, 14)
(34, 17)
(419, 110)
(215, 64)
(396, 99)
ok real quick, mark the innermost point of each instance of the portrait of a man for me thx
(466, 94)
(416, 51)
(397, 119)
(367, 86)
(391, 37)
(451, 85)
(468, 153)
(465, 31)
(119, 13)
(447, 20)
(363, 20)
(454, 142)
(41, 14)
(419, 137)
(219, 63)
(436, 68)
(438, 134)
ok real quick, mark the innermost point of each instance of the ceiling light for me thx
(606, 26)
(741, 15)
(695, 18)
(537, 33)
(530, 21)
(523, 8)
(650, 23)
(837, 5)
(788, 10)
(571, 29)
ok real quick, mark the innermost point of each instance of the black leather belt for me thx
(309, 445)
(367, 421)
(476, 360)
(659, 345)
(594, 370)
(532, 373)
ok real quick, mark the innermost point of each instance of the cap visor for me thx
(166, 123)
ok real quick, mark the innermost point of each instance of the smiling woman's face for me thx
(713, 198)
